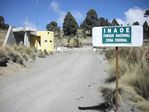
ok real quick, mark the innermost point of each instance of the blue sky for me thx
(16, 12)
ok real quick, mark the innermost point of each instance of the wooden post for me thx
(117, 78)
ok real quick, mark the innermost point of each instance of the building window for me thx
(50, 40)
(48, 32)
(45, 41)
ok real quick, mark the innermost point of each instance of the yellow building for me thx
(43, 40)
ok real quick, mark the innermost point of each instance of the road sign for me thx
(117, 36)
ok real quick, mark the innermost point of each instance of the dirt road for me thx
(58, 83)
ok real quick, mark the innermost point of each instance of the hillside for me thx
(2, 36)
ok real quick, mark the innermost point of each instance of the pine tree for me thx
(52, 26)
(114, 22)
(90, 21)
(136, 23)
(146, 30)
(146, 14)
(102, 21)
(3, 25)
(70, 25)
(2, 20)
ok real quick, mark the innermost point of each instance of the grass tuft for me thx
(134, 74)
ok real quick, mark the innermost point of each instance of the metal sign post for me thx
(117, 78)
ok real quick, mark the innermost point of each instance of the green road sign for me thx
(116, 35)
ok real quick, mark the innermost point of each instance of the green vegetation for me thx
(146, 14)
(70, 42)
(104, 22)
(74, 42)
(134, 74)
(70, 25)
(90, 21)
(114, 22)
(146, 30)
(74, 32)
(3, 25)
(52, 26)
(136, 23)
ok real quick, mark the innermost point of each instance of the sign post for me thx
(117, 36)
(117, 78)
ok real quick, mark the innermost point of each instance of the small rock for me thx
(89, 85)
(81, 97)
(93, 83)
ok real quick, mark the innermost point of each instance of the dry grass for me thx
(17, 54)
(2, 36)
(123, 68)
(134, 74)
(27, 52)
(138, 78)
(9, 54)
(143, 105)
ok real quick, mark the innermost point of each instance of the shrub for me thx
(27, 52)
(41, 54)
(65, 42)
(14, 56)
(78, 42)
(30, 52)
(74, 42)
(108, 95)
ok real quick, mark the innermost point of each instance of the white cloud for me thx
(133, 15)
(30, 24)
(78, 16)
(120, 21)
(54, 5)
(61, 13)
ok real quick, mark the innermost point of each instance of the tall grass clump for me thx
(17, 54)
(134, 73)
(123, 67)
(27, 52)
(9, 54)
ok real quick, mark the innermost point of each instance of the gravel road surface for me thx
(58, 83)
